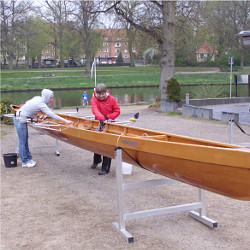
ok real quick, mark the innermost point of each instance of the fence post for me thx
(187, 98)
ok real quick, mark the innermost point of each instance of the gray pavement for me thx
(242, 108)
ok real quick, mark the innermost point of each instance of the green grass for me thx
(173, 113)
(206, 78)
(112, 76)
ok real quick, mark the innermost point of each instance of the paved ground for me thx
(64, 204)
(242, 108)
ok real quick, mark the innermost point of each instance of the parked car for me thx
(68, 63)
(71, 63)
(48, 63)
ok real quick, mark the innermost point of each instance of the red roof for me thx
(205, 48)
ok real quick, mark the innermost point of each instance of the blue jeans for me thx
(22, 132)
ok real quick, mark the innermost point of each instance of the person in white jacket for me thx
(29, 109)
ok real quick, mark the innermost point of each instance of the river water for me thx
(124, 96)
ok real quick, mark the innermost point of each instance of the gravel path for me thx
(64, 204)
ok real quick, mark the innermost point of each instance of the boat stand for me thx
(121, 186)
(231, 134)
(56, 146)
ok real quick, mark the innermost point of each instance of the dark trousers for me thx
(106, 162)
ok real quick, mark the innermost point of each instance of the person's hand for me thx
(106, 117)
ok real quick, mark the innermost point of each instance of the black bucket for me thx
(10, 160)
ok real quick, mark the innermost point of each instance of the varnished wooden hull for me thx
(213, 166)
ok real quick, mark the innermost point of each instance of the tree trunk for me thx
(88, 66)
(131, 38)
(17, 62)
(167, 47)
(39, 60)
(87, 43)
(10, 62)
(132, 58)
(33, 63)
(61, 46)
(27, 56)
(242, 52)
(88, 55)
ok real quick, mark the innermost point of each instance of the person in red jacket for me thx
(105, 108)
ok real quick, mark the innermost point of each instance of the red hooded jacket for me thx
(108, 107)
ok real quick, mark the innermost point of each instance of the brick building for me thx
(114, 42)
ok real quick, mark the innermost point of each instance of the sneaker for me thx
(102, 172)
(28, 165)
(32, 162)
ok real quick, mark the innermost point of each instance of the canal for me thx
(125, 96)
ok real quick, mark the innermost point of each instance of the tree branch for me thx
(106, 10)
(156, 3)
(151, 32)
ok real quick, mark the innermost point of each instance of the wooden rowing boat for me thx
(217, 167)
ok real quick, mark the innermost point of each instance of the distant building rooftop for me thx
(205, 48)
(245, 34)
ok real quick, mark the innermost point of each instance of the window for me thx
(119, 38)
(125, 44)
(105, 50)
(118, 45)
(22, 50)
(117, 51)
(105, 38)
(125, 51)
(105, 44)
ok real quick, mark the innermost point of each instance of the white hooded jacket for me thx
(37, 104)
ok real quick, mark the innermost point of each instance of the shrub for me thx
(223, 59)
(119, 59)
(181, 62)
(173, 90)
(5, 109)
(156, 104)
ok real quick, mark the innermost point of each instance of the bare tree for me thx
(87, 13)
(58, 13)
(242, 22)
(156, 18)
(129, 7)
(12, 15)
(226, 20)
(190, 31)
